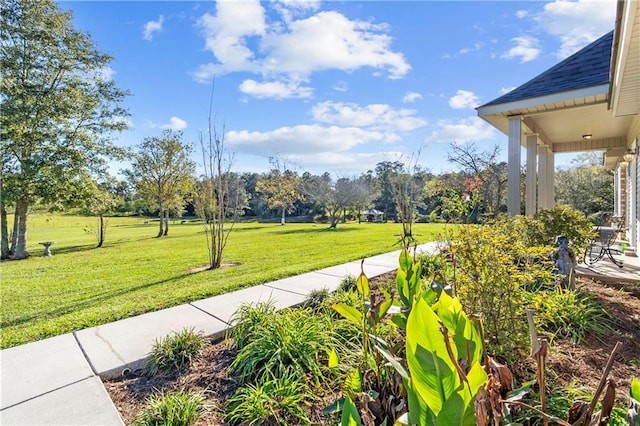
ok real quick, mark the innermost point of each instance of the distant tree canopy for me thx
(162, 174)
(57, 108)
(586, 186)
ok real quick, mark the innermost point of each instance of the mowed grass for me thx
(81, 286)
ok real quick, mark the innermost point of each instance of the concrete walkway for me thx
(57, 381)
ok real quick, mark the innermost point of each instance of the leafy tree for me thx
(101, 199)
(162, 174)
(360, 192)
(586, 186)
(383, 172)
(280, 188)
(334, 198)
(56, 107)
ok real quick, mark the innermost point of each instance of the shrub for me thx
(180, 408)
(493, 266)
(569, 315)
(172, 353)
(278, 400)
(248, 318)
(563, 220)
(290, 342)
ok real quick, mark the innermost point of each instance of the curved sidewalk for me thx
(57, 381)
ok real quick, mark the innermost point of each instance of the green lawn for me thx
(81, 286)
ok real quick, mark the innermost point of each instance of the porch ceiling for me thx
(561, 120)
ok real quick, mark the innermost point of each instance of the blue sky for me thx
(331, 86)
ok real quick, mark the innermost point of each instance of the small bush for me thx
(348, 283)
(276, 401)
(173, 352)
(290, 342)
(564, 220)
(247, 319)
(569, 315)
(180, 408)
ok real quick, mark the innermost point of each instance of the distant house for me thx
(589, 101)
(371, 215)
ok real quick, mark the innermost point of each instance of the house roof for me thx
(586, 68)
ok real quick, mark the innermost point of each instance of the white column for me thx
(550, 178)
(530, 195)
(542, 178)
(513, 166)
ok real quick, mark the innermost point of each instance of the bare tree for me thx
(485, 169)
(219, 198)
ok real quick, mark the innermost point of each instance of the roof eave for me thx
(515, 107)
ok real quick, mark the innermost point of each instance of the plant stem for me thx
(544, 415)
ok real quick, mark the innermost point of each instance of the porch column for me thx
(542, 178)
(513, 166)
(530, 195)
(550, 178)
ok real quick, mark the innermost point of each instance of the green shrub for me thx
(563, 220)
(290, 342)
(180, 408)
(494, 265)
(569, 315)
(348, 283)
(172, 353)
(280, 400)
(247, 319)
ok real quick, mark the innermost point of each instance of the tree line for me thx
(59, 110)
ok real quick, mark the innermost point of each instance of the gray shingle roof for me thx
(585, 68)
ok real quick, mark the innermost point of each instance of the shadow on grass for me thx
(316, 230)
(85, 303)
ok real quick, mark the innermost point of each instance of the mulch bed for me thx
(574, 364)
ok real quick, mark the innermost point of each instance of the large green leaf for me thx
(349, 312)
(477, 378)
(453, 412)
(362, 284)
(419, 412)
(350, 416)
(403, 287)
(635, 389)
(465, 336)
(405, 260)
(432, 373)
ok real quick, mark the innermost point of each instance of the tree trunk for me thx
(282, 222)
(166, 223)
(4, 253)
(161, 229)
(20, 248)
(101, 231)
(14, 233)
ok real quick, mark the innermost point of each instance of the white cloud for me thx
(477, 46)
(294, 48)
(463, 99)
(304, 140)
(152, 27)
(341, 86)
(226, 36)
(411, 97)
(460, 131)
(577, 23)
(275, 89)
(522, 14)
(505, 90)
(328, 40)
(106, 73)
(373, 116)
(175, 123)
(526, 49)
